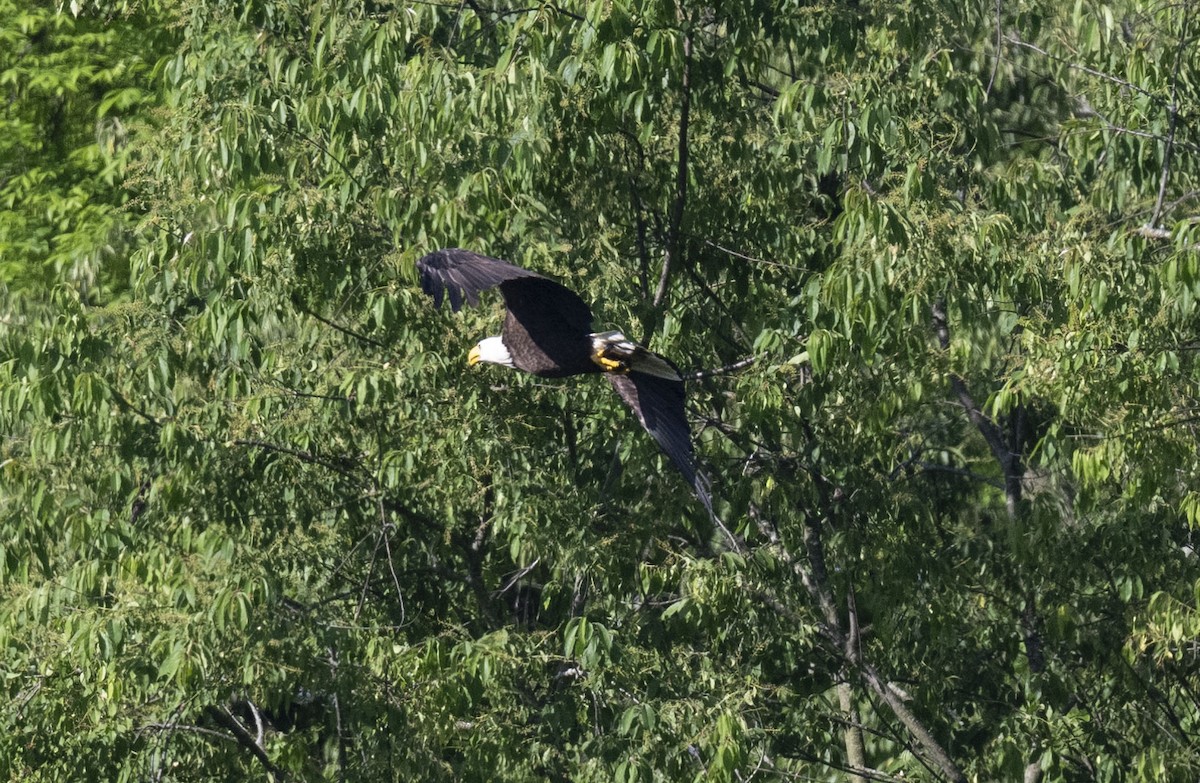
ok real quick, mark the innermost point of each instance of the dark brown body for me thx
(551, 342)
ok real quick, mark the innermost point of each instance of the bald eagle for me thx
(547, 331)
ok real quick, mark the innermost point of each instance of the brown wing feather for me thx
(658, 404)
(461, 275)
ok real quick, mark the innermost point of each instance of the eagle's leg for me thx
(611, 351)
(610, 365)
(614, 352)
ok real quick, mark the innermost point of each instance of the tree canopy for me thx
(933, 270)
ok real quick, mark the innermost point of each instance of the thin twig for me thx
(1111, 128)
(707, 290)
(639, 210)
(169, 727)
(387, 546)
(735, 541)
(457, 24)
(743, 256)
(362, 598)
(1172, 120)
(343, 329)
(933, 467)
(995, 60)
(303, 456)
(1083, 68)
(127, 405)
(702, 374)
(518, 576)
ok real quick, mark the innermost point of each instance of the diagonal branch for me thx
(129, 406)
(815, 577)
(1007, 456)
(303, 456)
(639, 210)
(1007, 451)
(338, 327)
(1083, 68)
(226, 718)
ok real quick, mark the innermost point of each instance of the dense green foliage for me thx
(257, 517)
(73, 89)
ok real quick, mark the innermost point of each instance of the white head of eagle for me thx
(491, 350)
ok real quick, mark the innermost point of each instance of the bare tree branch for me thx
(341, 737)
(1150, 232)
(743, 256)
(224, 717)
(127, 405)
(338, 327)
(738, 365)
(172, 727)
(815, 578)
(995, 60)
(518, 576)
(852, 735)
(1008, 457)
(1172, 119)
(913, 724)
(261, 733)
(1083, 68)
(385, 529)
(639, 211)
(671, 255)
(1112, 128)
(303, 456)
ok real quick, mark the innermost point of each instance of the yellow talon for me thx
(609, 365)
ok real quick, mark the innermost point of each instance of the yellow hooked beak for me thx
(473, 357)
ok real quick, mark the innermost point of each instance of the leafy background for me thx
(257, 519)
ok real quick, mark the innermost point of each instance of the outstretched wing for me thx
(534, 300)
(461, 275)
(658, 404)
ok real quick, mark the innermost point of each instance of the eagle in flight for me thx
(547, 331)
